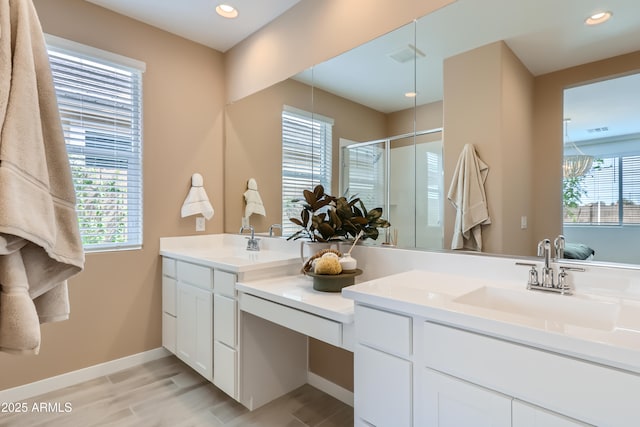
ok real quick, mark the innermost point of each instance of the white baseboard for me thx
(332, 389)
(37, 388)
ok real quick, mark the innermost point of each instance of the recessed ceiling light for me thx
(226, 11)
(598, 18)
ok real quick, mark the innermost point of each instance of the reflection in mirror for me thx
(602, 200)
(520, 138)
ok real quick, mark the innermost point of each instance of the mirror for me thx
(549, 49)
(601, 191)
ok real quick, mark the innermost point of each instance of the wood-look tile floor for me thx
(166, 392)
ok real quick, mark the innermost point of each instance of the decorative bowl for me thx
(334, 282)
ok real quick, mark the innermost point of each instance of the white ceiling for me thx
(198, 21)
(547, 35)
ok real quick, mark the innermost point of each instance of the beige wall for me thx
(315, 31)
(116, 301)
(488, 97)
(548, 131)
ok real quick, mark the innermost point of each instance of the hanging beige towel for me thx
(40, 246)
(468, 197)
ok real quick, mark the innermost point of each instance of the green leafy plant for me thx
(326, 218)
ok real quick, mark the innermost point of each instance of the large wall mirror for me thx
(490, 73)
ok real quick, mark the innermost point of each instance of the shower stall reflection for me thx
(404, 176)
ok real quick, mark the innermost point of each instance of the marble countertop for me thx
(600, 329)
(297, 291)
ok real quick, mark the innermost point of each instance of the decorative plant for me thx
(324, 218)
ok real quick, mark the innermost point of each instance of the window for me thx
(609, 193)
(100, 101)
(306, 159)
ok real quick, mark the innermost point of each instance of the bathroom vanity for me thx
(241, 318)
(437, 349)
(435, 346)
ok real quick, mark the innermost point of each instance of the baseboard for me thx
(37, 388)
(332, 389)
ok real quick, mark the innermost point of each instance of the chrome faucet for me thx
(274, 226)
(547, 282)
(544, 250)
(252, 243)
(559, 244)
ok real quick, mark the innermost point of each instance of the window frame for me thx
(108, 149)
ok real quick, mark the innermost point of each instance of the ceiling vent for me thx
(407, 54)
(598, 130)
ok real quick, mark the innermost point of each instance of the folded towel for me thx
(40, 245)
(253, 200)
(467, 195)
(197, 201)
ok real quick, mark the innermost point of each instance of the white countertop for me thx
(297, 292)
(438, 296)
(228, 252)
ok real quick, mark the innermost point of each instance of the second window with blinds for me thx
(306, 159)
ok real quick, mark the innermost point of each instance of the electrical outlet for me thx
(200, 223)
(523, 222)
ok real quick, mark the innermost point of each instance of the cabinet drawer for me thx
(383, 384)
(169, 295)
(195, 275)
(225, 368)
(224, 320)
(169, 267)
(575, 388)
(384, 330)
(224, 283)
(169, 332)
(308, 324)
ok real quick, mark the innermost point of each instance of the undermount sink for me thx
(552, 309)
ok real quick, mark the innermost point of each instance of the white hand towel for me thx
(197, 201)
(253, 199)
(468, 196)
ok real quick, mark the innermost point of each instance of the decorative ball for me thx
(328, 265)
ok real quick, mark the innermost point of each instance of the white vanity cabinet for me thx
(412, 371)
(169, 296)
(194, 317)
(225, 333)
(383, 370)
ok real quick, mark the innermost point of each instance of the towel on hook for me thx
(40, 245)
(197, 201)
(468, 197)
(253, 200)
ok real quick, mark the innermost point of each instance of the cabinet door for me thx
(194, 340)
(451, 402)
(382, 389)
(526, 415)
(224, 316)
(225, 368)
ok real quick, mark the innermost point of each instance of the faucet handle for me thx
(564, 287)
(533, 274)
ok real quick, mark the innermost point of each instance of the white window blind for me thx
(306, 159)
(365, 173)
(100, 103)
(611, 193)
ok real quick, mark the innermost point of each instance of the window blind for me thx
(306, 160)
(100, 105)
(611, 193)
